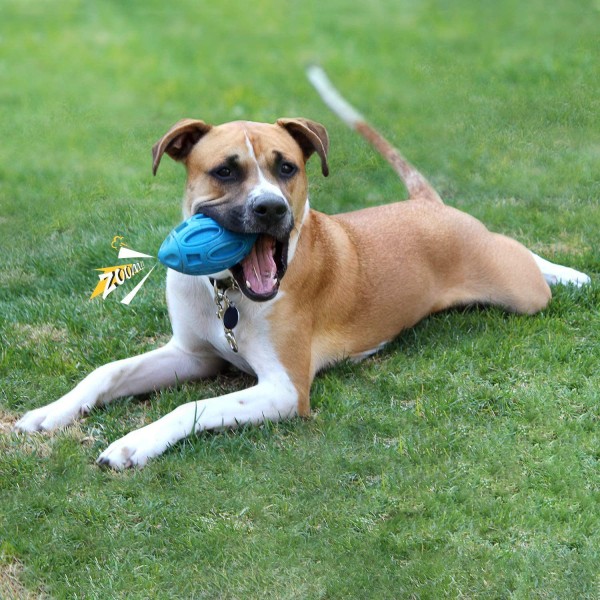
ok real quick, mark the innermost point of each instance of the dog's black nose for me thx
(269, 208)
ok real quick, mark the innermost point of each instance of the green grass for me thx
(460, 462)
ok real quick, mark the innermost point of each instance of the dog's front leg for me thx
(140, 374)
(271, 399)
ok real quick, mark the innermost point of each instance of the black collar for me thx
(224, 284)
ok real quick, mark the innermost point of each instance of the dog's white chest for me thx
(196, 325)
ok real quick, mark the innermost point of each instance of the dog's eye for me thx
(223, 173)
(287, 169)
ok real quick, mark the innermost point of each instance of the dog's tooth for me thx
(248, 284)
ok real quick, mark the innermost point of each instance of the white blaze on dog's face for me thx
(251, 178)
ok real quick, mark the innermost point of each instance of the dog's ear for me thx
(178, 141)
(310, 136)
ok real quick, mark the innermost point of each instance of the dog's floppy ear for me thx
(178, 141)
(310, 136)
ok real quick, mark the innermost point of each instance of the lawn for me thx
(460, 462)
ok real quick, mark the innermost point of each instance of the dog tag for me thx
(231, 317)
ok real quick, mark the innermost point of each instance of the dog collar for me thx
(226, 309)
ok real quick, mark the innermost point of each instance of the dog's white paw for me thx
(558, 274)
(46, 418)
(566, 276)
(132, 450)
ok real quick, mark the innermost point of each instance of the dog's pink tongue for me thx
(260, 271)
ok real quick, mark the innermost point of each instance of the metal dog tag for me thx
(227, 313)
(231, 317)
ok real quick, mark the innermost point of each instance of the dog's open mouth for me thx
(259, 274)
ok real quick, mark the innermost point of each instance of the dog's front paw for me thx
(132, 450)
(46, 418)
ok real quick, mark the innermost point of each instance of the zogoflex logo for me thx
(113, 277)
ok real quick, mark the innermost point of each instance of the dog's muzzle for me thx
(267, 214)
(259, 273)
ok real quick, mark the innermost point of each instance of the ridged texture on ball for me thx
(200, 246)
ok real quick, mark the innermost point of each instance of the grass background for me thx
(461, 462)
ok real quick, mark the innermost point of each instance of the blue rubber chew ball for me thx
(200, 246)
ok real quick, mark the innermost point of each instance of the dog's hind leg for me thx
(499, 271)
(140, 374)
(555, 274)
(516, 282)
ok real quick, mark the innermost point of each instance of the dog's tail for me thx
(418, 187)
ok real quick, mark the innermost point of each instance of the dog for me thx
(315, 289)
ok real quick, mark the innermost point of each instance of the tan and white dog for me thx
(315, 289)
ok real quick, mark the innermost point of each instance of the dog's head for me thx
(250, 178)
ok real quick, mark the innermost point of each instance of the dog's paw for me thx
(46, 418)
(132, 450)
(558, 274)
(568, 276)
